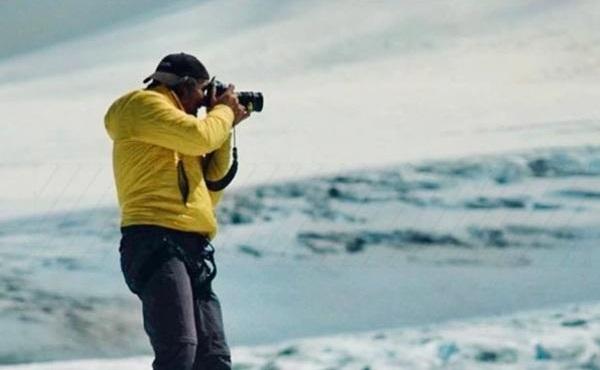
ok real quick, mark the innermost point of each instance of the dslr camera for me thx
(253, 101)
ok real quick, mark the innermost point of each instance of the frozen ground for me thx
(556, 339)
(379, 248)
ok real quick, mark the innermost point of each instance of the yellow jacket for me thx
(151, 133)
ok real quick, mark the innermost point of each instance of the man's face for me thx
(195, 97)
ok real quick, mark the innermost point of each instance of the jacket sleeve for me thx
(217, 166)
(154, 121)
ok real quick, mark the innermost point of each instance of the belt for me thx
(156, 229)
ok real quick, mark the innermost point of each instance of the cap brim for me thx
(167, 78)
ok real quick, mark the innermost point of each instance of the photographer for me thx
(163, 158)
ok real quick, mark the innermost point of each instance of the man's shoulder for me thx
(128, 107)
(125, 100)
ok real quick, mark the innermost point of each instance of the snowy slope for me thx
(32, 25)
(557, 339)
(347, 85)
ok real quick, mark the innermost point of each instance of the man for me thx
(161, 162)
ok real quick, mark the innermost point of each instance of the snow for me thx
(560, 338)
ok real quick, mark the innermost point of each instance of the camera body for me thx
(253, 101)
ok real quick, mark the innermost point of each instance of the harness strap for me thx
(196, 265)
(199, 262)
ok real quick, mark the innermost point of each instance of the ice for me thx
(406, 238)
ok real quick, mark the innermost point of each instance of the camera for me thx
(253, 101)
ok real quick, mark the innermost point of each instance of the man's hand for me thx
(230, 99)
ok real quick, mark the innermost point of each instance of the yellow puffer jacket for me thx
(151, 133)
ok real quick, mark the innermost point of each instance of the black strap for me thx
(222, 183)
(218, 185)
(195, 263)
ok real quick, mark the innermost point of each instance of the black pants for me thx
(185, 329)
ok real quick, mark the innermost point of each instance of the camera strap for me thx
(218, 185)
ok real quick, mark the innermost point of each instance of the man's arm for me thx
(155, 121)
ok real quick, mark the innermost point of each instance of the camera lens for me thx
(253, 101)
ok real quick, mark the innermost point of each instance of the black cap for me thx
(174, 67)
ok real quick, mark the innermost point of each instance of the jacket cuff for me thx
(223, 111)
